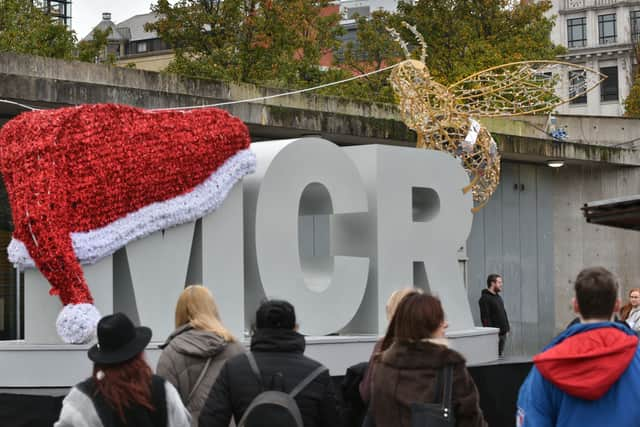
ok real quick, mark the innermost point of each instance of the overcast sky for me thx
(85, 14)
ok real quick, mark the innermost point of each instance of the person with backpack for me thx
(122, 391)
(274, 384)
(416, 369)
(195, 352)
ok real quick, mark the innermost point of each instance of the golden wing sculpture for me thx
(443, 117)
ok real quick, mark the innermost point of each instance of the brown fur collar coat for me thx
(407, 373)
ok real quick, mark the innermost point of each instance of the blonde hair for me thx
(396, 297)
(197, 307)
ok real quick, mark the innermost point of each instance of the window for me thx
(352, 12)
(635, 25)
(609, 87)
(578, 87)
(142, 47)
(607, 28)
(577, 32)
(350, 40)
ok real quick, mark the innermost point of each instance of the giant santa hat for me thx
(84, 181)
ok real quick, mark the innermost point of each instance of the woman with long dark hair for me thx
(390, 309)
(414, 351)
(122, 389)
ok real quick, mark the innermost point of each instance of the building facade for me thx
(599, 34)
(131, 45)
(60, 10)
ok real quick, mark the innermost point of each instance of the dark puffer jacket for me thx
(408, 373)
(280, 358)
(183, 358)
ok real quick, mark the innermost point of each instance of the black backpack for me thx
(275, 408)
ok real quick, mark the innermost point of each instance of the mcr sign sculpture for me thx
(393, 217)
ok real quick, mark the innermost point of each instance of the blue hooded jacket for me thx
(588, 376)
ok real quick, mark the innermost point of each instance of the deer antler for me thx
(423, 44)
(396, 37)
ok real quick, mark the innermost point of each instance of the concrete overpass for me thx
(50, 83)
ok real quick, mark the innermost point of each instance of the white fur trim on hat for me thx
(76, 323)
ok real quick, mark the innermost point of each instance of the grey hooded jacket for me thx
(183, 359)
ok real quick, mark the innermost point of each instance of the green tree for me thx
(632, 103)
(277, 42)
(372, 50)
(24, 28)
(466, 36)
(94, 50)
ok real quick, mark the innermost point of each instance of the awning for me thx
(623, 212)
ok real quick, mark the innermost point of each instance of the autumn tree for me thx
(462, 37)
(25, 28)
(276, 42)
(632, 103)
(372, 50)
(465, 36)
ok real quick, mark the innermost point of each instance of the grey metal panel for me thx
(511, 272)
(546, 285)
(493, 250)
(528, 259)
(477, 273)
(513, 236)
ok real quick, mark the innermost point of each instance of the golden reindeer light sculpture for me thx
(444, 116)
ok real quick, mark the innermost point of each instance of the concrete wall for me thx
(579, 244)
(147, 62)
(593, 130)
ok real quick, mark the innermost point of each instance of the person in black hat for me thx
(122, 389)
(278, 350)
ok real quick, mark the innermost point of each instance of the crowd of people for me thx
(205, 377)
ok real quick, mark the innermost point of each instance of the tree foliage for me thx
(94, 50)
(280, 42)
(24, 28)
(462, 37)
(632, 103)
(466, 36)
(372, 50)
(275, 42)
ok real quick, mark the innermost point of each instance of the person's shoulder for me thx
(311, 365)
(237, 361)
(452, 357)
(234, 348)
(310, 362)
(485, 295)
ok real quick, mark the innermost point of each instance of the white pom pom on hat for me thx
(76, 323)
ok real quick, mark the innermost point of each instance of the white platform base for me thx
(29, 366)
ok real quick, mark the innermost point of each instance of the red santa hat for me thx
(84, 181)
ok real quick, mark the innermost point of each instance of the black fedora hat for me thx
(118, 340)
